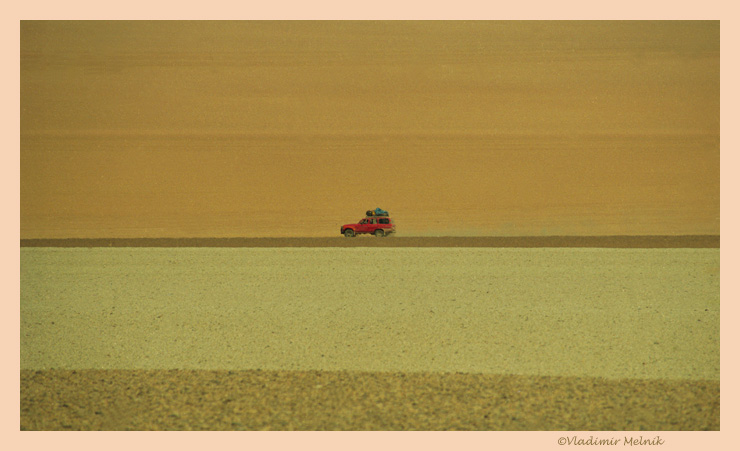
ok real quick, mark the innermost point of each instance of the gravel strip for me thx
(331, 401)
(650, 242)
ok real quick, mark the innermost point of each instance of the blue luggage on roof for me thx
(377, 212)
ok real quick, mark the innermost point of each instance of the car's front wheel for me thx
(349, 233)
(379, 232)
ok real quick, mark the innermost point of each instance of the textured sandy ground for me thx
(640, 327)
(321, 400)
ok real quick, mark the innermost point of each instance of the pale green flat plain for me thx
(611, 313)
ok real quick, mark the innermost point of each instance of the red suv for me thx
(377, 225)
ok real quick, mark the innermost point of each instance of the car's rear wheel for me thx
(379, 232)
(349, 233)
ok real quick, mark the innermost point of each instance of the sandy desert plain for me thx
(555, 186)
(370, 338)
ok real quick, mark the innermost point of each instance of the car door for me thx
(363, 225)
(370, 225)
(384, 223)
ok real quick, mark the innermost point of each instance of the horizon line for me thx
(604, 241)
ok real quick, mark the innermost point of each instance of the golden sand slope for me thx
(203, 129)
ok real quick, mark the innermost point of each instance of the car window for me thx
(384, 221)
